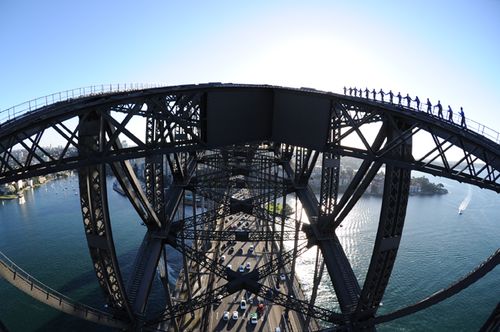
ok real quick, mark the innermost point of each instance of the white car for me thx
(225, 316)
(282, 277)
(247, 266)
(241, 269)
(235, 315)
(229, 267)
(222, 258)
(253, 318)
(250, 250)
(243, 304)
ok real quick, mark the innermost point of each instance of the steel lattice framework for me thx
(242, 147)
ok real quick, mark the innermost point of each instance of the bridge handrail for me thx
(30, 105)
(18, 272)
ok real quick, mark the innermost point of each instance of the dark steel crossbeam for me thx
(198, 257)
(183, 308)
(304, 307)
(237, 235)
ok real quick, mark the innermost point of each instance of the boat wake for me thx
(466, 201)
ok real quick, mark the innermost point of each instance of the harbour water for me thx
(45, 237)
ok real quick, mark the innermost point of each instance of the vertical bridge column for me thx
(392, 217)
(96, 221)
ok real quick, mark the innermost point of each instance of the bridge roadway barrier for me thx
(36, 289)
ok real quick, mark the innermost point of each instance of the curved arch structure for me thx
(242, 147)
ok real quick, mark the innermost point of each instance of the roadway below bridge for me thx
(228, 313)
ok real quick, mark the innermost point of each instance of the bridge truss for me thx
(242, 149)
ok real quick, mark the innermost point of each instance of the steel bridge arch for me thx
(183, 121)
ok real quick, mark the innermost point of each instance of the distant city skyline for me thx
(444, 50)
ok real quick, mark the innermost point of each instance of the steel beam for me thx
(390, 229)
(96, 221)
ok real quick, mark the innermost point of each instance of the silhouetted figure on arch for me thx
(399, 98)
(440, 109)
(381, 95)
(355, 92)
(345, 90)
(462, 123)
(418, 103)
(374, 93)
(367, 93)
(408, 99)
(391, 96)
(450, 114)
(350, 91)
(429, 106)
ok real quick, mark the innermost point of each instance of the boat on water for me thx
(460, 211)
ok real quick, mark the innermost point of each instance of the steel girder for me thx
(96, 220)
(390, 229)
(183, 112)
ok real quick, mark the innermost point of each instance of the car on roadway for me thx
(247, 266)
(250, 250)
(222, 258)
(282, 277)
(277, 329)
(253, 318)
(229, 267)
(241, 269)
(243, 304)
(230, 251)
(225, 316)
(219, 299)
(235, 315)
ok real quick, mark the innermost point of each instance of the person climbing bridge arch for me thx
(418, 103)
(462, 122)
(450, 114)
(391, 96)
(381, 94)
(367, 93)
(429, 106)
(408, 99)
(374, 93)
(399, 98)
(440, 109)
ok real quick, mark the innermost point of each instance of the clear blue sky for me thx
(448, 50)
